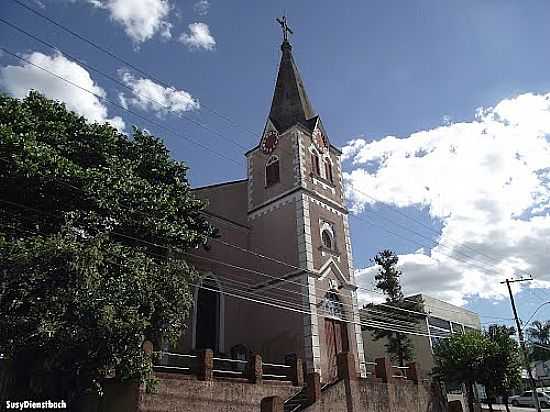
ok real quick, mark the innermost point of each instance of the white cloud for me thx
(148, 95)
(122, 100)
(487, 181)
(199, 37)
(19, 80)
(141, 19)
(201, 7)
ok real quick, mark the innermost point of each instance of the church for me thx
(279, 279)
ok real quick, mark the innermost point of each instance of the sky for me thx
(442, 109)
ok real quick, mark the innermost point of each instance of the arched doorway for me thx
(336, 334)
(208, 315)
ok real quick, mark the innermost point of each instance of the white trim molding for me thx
(330, 266)
(312, 349)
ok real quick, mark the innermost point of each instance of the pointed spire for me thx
(290, 102)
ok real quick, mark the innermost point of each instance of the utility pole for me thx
(522, 341)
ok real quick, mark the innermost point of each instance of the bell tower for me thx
(297, 213)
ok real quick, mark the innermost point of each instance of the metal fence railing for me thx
(401, 372)
(223, 367)
(175, 362)
(276, 371)
(206, 366)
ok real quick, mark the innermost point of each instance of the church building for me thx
(279, 279)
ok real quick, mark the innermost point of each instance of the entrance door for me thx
(337, 342)
(207, 321)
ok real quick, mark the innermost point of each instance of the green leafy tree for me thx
(86, 215)
(501, 369)
(399, 346)
(459, 360)
(538, 334)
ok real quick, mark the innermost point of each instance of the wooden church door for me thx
(336, 342)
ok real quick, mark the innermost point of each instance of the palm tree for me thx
(539, 334)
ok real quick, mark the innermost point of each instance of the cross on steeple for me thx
(284, 26)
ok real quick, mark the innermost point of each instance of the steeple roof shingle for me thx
(290, 103)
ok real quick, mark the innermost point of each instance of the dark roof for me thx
(290, 103)
(232, 182)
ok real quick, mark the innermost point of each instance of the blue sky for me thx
(372, 70)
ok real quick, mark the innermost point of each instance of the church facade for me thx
(279, 279)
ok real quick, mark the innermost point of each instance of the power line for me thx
(480, 266)
(297, 267)
(120, 106)
(228, 264)
(243, 268)
(396, 210)
(228, 280)
(121, 84)
(535, 312)
(372, 324)
(259, 273)
(494, 317)
(521, 338)
(218, 134)
(538, 345)
(149, 75)
(159, 125)
(120, 59)
(197, 257)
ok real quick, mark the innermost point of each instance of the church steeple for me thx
(290, 103)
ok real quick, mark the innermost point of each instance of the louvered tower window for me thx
(272, 171)
(315, 164)
(328, 171)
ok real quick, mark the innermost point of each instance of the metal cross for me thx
(284, 27)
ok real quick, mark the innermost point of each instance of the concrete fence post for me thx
(346, 366)
(296, 374)
(254, 369)
(412, 372)
(205, 365)
(272, 404)
(383, 369)
(313, 387)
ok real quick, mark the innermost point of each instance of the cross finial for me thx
(284, 26)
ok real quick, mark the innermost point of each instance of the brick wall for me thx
(367, 395)
(187, 394)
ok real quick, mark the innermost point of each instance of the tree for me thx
(459, 360)
(539, 339)
(87, 215)
(501, 369)
(398, 345)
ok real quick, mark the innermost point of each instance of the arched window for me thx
(326, 238)
(315, 165)
(328, 170)
(272, 171)
(334, 306)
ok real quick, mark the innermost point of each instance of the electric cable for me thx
(165, 84)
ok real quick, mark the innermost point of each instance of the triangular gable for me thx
(319, 124)
(330, 266)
